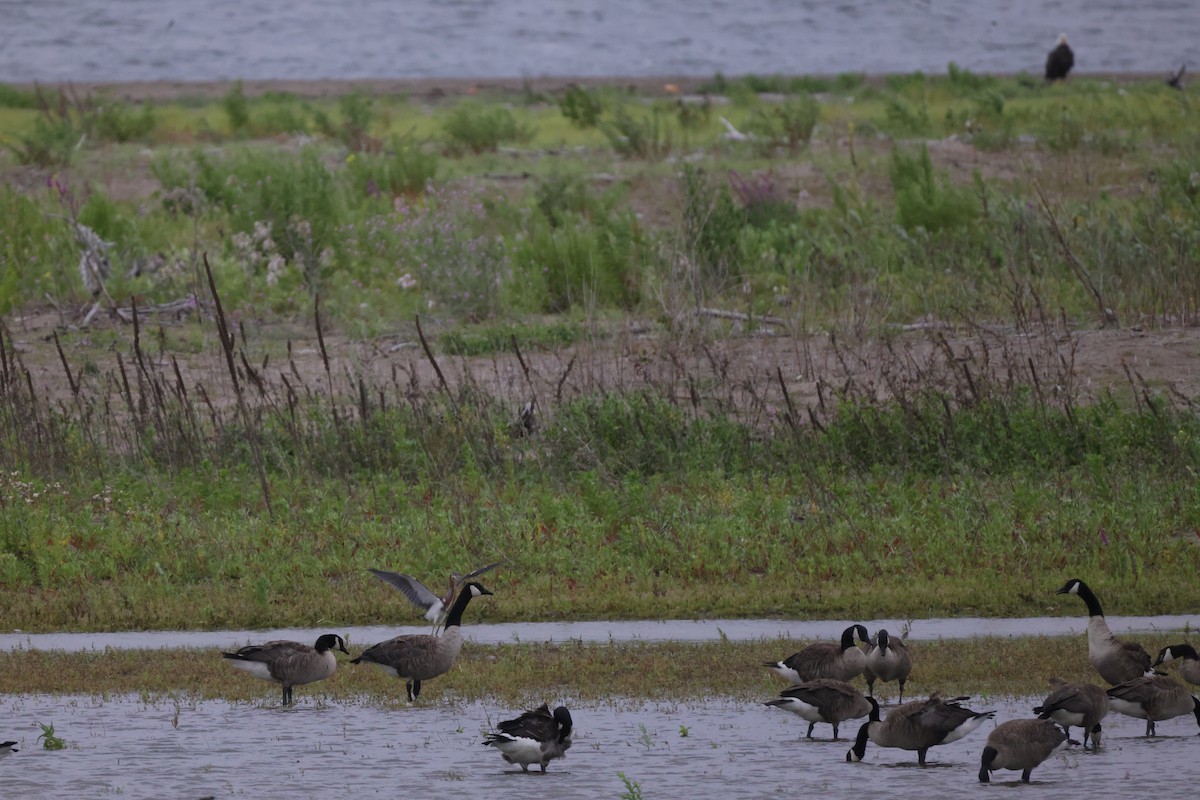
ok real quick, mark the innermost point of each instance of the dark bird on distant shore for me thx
(1060, 60)
(1175, 79)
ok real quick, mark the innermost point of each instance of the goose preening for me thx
(535, 737)
(7, 748)
(1082, 704)
(918, 725)
(823, 700)
(289, 663)
(419, 657)
(1060, 60)
(1189, 663)
(824, 659)
(435, 608)
(1020, 744)
(1117, 661)
(888, 660)
(1153, 698)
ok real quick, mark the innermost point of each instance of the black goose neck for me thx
(454, 618)
(1090, 600)
(848, 638)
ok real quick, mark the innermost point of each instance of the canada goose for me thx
(289, 663)
(535, 737)
(1189, 663)
(1020, 744)
(1153, 698)
(7, 748)
(436, 608)
(888, 661)
(823, 700)
(917, 725)
(1082, 704)
(824, 659)
(1117, 661)
(1060, 60)
(418, 657)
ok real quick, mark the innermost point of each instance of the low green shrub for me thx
(787, 125)
(480, 129)
(236, 108)
(581, 106)
(115, 121)
(52, 143)
(643, 135)
(924, 200)
(403, 168)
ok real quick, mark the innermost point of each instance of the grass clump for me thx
(581, 106)
(403, 169)
(788, 126)
(474, 129)
(925, 200)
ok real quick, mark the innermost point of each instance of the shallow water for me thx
(646, 630)
(129, 748)
(122, 40)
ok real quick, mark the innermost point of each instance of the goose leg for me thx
(921, 756)
(408, 687)
(1149, 727)
(1025, 775)
(835, 731)
(416, 689)
(811, 725)
(287, 695)
(902, 690)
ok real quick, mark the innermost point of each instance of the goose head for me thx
(331, 641)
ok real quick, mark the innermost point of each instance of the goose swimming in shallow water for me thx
(1020, 744)
(289, 663)
(419, 657)
(1082, 704)
(1117, 661)
(535, 737)
(841, 662)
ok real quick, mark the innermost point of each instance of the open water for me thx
(126, 40)
(131, 748)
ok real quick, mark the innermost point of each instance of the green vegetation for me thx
(48, 738)
(517, 674)
(397, 284)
